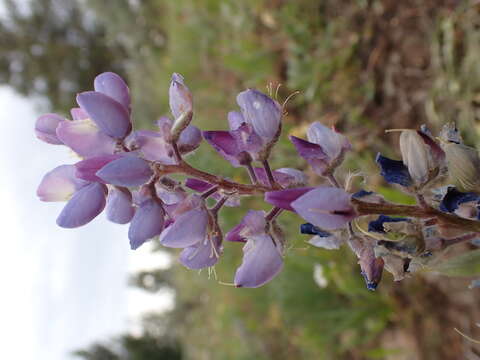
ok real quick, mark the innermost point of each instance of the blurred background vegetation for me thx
(363, 65)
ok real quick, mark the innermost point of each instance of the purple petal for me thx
(262, 112)
(308, 150)
(188, 229)
(247, 140)
(78, 114)
(202, 186)
(114, 86)
(85, 138)
(164, 126)
(224, 143)
(59, 184)
(111, 117)
(189, 139)
(86, 169)
(46, 128)
(180, 97)
(283, 198)
(235, 120)
(332, 142)
(293, 177)
(261, 262)
(326, 207)
(83, 207)
(253, 223)
(146, 223)
(203, 254)
(126, 171)
(119, 206)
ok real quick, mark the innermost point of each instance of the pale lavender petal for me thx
(84, 206)
(119, 206)
(247, 140)
(114, 86)
(326, 207)
(262, 112)
(295, 178)
(284, 198)
(86, 169)
(126, 171)
(110, 116)
(164, 125)
(253, 223)
(235, 120)
(180, 97)
(283, 178)
(224, 143)
(153, 146)
(190, 139)
(332, 142)
(85, 138)
(327, 242)
(59, 184)
(146, 223)
(187, 230)
(204, 254)
(78, 114)
(261, 262)
(46, 128)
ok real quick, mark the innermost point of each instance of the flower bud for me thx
(180, 97)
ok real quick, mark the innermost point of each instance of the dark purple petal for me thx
(326, 207)
(253, 223)
(224, 143)
(85, 138)
(308, 150)
(119, 206)
(371, 266)
(393, 171)
(453, 198)
(111, 117)
(59, 184)
(126, 171)
(261, 262)
(198, 185)
(46, 128)
(262, 112)
(436, 150)
(114, 86)
(78, 114)
(86, 169)
(203, 254)
(146, 223)
(377, 225)
(283, 198)
(180, 97)
(83, 207)
(188, 229)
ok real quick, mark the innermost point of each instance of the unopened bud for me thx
(179, 125)
(180, 97)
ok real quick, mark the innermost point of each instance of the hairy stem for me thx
(251, 173)
(268, 171)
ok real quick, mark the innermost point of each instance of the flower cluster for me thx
(127, 173)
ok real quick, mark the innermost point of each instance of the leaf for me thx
(467, 264)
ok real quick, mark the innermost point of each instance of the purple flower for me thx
(60, 184)
(85, 204)
(324, 149)
(252, 224)
(126, 171)
(370, 265)
(119, 206)
(115, 87)
(112, 118)
(46, 128)
(203, 254)
(85, 138)
(394, 171)
(286, 177)
(86, 169)
(180, 97)
(202, 186)
(262, 113)
(147, 223)
(326, 207)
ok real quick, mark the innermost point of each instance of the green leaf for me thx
(467, 264)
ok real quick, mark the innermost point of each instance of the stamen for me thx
(276, 91)
(290, 97)
(395, 130)
(227, 284)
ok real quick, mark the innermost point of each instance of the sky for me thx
(61, 288)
